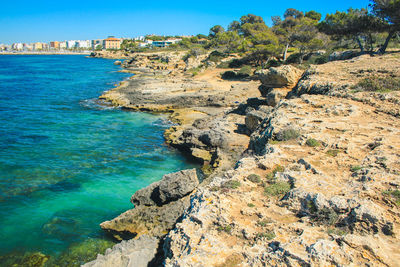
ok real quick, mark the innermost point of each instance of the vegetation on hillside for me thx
(295, 36)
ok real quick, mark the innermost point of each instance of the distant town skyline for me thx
(26, 21)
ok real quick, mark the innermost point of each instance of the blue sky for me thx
(29, 21)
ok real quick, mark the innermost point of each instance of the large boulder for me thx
(343, 55)
(157, 207)
(280, 77)
(151, 220)
(172, 187)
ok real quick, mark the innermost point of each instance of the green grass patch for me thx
(287, 134)
(194, 71)
(251, 205)
(269, 235)
(264, 223)
(254, 178)
(333, 152)
(394, 195)
(277, 189)
(355, 168)
(278, 168)
(245, 71)
(337, 231)
(232, 184)
(378, 84)
(312, 143)
(226, 229)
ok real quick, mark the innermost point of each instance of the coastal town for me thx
(110, 43)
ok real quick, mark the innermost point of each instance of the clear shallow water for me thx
(66, 163)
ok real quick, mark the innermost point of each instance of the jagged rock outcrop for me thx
(317, 186)
(158, 207)
(301, 202)
(172, 187)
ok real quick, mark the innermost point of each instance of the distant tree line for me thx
(305, 33)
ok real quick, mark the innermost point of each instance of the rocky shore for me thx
(299, 167)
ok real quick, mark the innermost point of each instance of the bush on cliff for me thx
(378, 84)
(243, 73)
(287, 134)
(277, 189)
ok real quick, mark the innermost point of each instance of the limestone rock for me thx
(172, 187)
(151, 220)
(280, 77)
(253, 119)
(343, 55)
(274, 97)
(177, 185)
(132, 253)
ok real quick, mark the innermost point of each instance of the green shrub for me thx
(287, 134)
(236, 63)
(254, 178)
(245, 71)
(194, 71)
(355, 168)
(228, 75)
(269, 235)
(337, 231)
(312, 142)
(333, 152)
(216, 56)
(264, 223)
(378, 84)
(251, 205)
(278, 168)
(232, 184)
(394, 194)
(277, 189)
(226, 229)
(223, 65)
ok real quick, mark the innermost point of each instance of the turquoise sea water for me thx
(67, 163)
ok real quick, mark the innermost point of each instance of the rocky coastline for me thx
(299, 168)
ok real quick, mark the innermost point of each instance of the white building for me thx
(28, 47)
(71, 44)
(17, 46)
(83, 43)
(146, 43)
(139, 38)
(63, 45)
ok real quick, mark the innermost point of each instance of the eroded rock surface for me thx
(332, 208)
(305, 178)
(132, 253)
(157, 207)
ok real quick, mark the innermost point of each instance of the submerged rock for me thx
(36, 259)
(79, 253)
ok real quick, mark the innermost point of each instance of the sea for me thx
(67, 161)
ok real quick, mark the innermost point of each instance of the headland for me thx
(300, 166)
